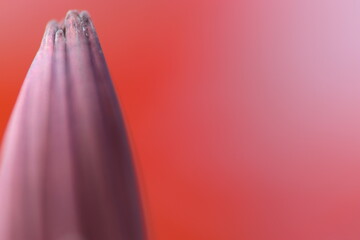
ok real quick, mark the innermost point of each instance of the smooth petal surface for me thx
(67, 171)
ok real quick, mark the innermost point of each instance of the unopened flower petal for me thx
(66, 166)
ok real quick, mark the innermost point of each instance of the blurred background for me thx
(244, 115)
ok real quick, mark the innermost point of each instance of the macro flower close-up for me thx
(67, 170)
(179, 120)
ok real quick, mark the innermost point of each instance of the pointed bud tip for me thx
(72, 13)
(85, 15)
(51, 27)
(49, 35)
(59, 36)
(51, 23)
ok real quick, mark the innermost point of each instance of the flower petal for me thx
(66, 167)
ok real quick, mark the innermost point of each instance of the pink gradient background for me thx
(244, 115)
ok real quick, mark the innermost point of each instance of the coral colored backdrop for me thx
(244, 115)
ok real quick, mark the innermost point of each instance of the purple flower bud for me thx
(66, 166)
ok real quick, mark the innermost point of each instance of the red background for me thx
(244, 115)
